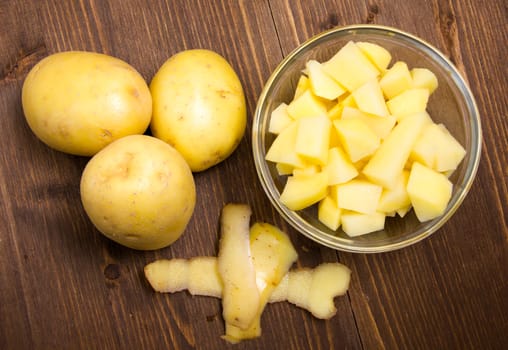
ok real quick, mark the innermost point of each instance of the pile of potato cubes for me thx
(357, 140)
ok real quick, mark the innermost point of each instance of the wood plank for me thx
(439, 293)
(67, 285)
(63, 285)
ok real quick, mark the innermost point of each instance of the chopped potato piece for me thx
(321, 83)
(387, 163)
(358, 195)
(357, 139)
(303, 191)
(396, 198)
(329, 213)
(279, 119)
(307, 104)
(350, 67)
(409, 102)
(450, 151)
(436, 148)
(396, 80)
(312, 169)
(283, 150)
(302, 85)
(284, 169)
(429, 191)
(381, 126)
(377, 54)
(424, 78)
(369, 98)
(339, 168)
(356, 224)
(313, 138)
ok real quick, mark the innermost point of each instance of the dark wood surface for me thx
(64, 286)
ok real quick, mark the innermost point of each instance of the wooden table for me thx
(65, 286)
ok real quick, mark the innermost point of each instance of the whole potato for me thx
(198, 107)
(139, 192)
(78, 102)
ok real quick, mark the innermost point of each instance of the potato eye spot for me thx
(106, 133)
(134, 92)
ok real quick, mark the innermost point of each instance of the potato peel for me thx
(301, 287)
(252, 269)
(272, 256)
(236, 268)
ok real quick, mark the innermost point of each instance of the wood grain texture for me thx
(436, 294)
(63, 285)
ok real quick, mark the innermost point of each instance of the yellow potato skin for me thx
(139, 192)
(77, 102)
(198, 107)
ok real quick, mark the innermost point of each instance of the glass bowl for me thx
(452, 103)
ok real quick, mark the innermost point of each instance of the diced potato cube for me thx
(429, 191)
(396, 80)
(436, 148)
(306, 105)
(424, 78)
(424, 149)
(282, 149)
(358, 195)
(359, 165)
(358, 140)
(302, 85)
(279, 119)
(303, 191)
(306, 171)
(377, 54)
(449, 151)
(380, 125)
(403, 211)
(329, 213)
(284, 169)
(409, 102)
(388, 161)
(369, 98)
(352, 113)
(313, 138)
(322, 84)
(334, 138)
(396, 198)
(356, 224)
(350, 67)
(339, 167)
(347, 100)
(335, 111)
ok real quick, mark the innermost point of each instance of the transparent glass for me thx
(452, 104)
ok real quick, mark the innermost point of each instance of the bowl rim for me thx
(473, 159)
